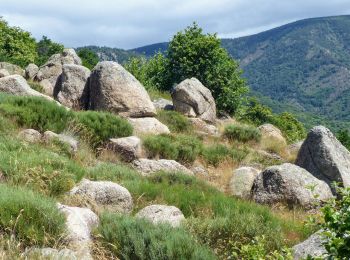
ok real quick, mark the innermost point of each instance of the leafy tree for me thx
(16, 45)
(292, 129)
(88, 57)
(344, 137)
(192, 53)
(46, 48)
(255, 113)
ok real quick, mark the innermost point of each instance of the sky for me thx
(133, 23)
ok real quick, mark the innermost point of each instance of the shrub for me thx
(35, 112)
(88, 58)
(37, 167)
(131, 238)
(176, 122)
(242, 133)
(181, 148)
(344, 137)
(291, 128)
(46, 48)
(30, 216)
(101, 126)
(218, 153)
(336, 225)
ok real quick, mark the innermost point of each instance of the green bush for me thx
(37, 168)
(46, 48)
(218, 153)
(88, 58)
(344, 137)
(35, 112)
(30, 216)
(181, 148)
(242, 133)
(131, 238)
(100, 126)
(176, 122)
(291, 128)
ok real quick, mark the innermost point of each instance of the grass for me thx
(176, 122)
(30, 217)
(36, 86)
(132, 238)
(242, 133)
(218, 153)
(181, 148)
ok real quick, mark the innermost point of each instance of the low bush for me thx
(29, 216)
(131, 238)
(218, 153)
(182, 148)
(242, 133)
(37, 168)
(35, 112)
(100, 126)
(36, 86)
(176, 122)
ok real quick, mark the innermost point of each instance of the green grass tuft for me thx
(176, 122)
(242, 133)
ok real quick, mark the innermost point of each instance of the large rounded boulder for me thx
(71, 86)
(290, 184)
(193, 99)
(12, 69)
(325, 157)
(242, 181)
(50, 72)
(114, 89)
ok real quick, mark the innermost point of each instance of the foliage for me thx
(16, 45)
(176, 122)
(337, 225)
(88, 58)
(344, 137)
(132, 238)
(35, 112)
(46, 48)
(181, 148)
(218, 153)
(38, 168)
(101, 126)
(242, 133)
(291, 128)
(29, 216)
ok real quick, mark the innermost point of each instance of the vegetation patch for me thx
(29, 216)
(176, 122)
(242, 133)
(218, 153)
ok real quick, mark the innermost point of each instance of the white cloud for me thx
(133, 23)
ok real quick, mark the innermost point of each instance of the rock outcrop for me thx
(148, 125)
(290, 184)
(163, 104)
(50, 72)
(127, 148)
(313, 246)
(203, 128)
(146, 166)
(160, 214)
(79, 222)
(31, 70)
(12, 69)
(69, 90)
(325, 157)
(192, 99)
(106, 194)
(242, 181)
(30, 135)
(4, 73)
(114, 89)
(17, 85)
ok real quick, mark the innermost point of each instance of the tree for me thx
(192, 53)
(16, 45)
(344, 137)
(88, 58)
(46, 48)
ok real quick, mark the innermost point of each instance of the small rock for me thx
(4, 73)
(200, 171)
(325, 157)
(31, 70)
(163, 104)
(242, 181)
(202, 127)
(313, 246)
(272, 132)
(146, 166)
(30, 135)
(79, 222)
(192, 99)
(148, 125)
(73, 144)
(157, 214)
(290, 184)
(107, 194)
(128, 148)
